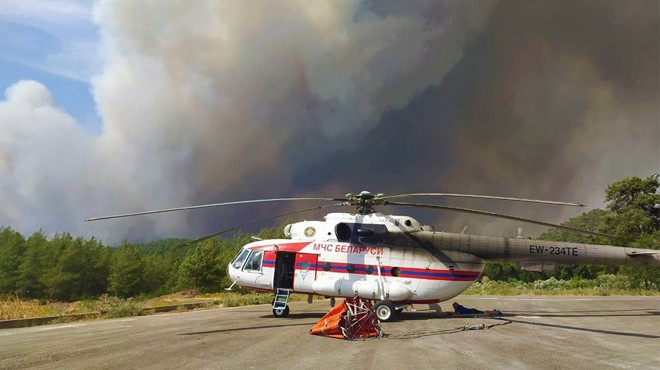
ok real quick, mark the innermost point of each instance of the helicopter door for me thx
(305, 272)
(284, 265)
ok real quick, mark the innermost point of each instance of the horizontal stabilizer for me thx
(537, 266)
(645, 253)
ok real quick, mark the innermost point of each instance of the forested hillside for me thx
(70, 268)
(632, 217)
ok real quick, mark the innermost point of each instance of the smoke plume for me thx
(210, 101)
(553, 100)
(214, 101)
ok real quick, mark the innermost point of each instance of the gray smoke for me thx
(553, 100)
(210, 101)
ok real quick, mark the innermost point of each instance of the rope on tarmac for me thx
(457, 329)
(486, 326)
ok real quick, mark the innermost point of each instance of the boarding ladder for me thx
(281, 298)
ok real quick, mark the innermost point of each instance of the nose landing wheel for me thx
(281, 312)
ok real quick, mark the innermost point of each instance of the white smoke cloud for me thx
(199, 98)
(44, 156)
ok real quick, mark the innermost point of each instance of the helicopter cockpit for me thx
(245, 263)
(240, 258)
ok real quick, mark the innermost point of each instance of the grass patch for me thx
(114, 307)
(603, 285)
(12, 307)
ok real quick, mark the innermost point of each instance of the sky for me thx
(121, 106)
(56, 43)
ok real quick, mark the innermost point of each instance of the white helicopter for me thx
(393, 260)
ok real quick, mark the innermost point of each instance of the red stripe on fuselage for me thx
(341, 267)
(288, 247)
(405, 272)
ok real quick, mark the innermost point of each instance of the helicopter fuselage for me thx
(353, 255)
(335, 269)
(397, 260)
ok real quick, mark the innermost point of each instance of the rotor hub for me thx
(365, 202)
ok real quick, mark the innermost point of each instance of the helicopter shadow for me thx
(429, 315)
(293, 316)
(297, 316)
(538, 313)
(518, 317)
(260, 327)
(591, 330)
(568, 314)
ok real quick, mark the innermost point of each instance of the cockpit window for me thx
(240, 258)
(254, 262)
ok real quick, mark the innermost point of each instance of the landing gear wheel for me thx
(384, 310)
(279, 312)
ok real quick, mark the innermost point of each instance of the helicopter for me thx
(393, 260)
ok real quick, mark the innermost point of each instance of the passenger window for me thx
(395, 271)
(240, 258)
(369, 269)
(327, 266)
(350, 268)
(254, 262)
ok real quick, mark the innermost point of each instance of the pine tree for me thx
(12, 248)
(34, 266)
(126, 271)
(201, 269)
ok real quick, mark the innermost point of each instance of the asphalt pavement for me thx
(543, 333)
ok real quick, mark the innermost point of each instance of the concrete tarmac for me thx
(544, 333)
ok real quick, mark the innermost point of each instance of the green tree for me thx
(126, 271)
(634, 204)
(276, 232)
(202, 268)
(75, 270)
(50, 277)
(159, 274)
(93, 265)
(634, 218)
(163, 247)
(61, 276)
(594, 220)
(34, 266)
(12, 248)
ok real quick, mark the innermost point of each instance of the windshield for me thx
(240, 258)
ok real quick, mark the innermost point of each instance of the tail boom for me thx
(503, 249)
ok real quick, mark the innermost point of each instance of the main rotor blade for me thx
(500, 215)
(207, 206)
(253, 222)
(451, 195)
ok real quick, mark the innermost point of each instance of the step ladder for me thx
(281, 298)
